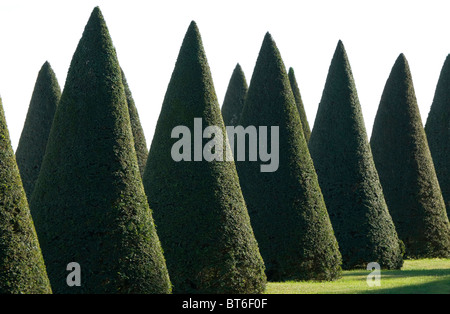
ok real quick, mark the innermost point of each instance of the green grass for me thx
(425, 276)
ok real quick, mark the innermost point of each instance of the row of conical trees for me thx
(139, 222)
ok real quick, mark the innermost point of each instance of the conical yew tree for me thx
(286, 206)
(89, 201)
(140, 144)
(347, 174)
(198, 205)
(234, 97)
(33, 140)
(22, 268)
(299, 103)
(438, 132)
(406, 170)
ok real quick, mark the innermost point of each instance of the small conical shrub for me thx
(406, 170)
(234, 97)
(89, 201)
(347, 174)
(286, 206)
(22, 268)
(299, 103)
(438, 132)
(198, 206)
(140, 144)
(33, 140)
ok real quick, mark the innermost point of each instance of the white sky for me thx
(148, 34)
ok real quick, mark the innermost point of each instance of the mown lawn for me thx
(417, 276)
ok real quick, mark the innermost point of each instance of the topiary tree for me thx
(347, 174)
(33, 140)
(140, 145)
(234, 97)
(286, 206)
(406, 170)
(89, 201)
(299, 102)
(438, 132)
(198, 205)
(22, 268)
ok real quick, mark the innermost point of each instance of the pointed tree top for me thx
(193, 25)
(406, 169)
(91, 161)
(192, 43)
(33, 139)
(400, 83)
(95, 18)
(238, 71)
(192, 32)
(269, 71)
(299, 103)
(401, 63)
(347, 173)
(291, 195)
(340, 52)
(201, 256)
(234, 97)
(340, 98)
(268, 41)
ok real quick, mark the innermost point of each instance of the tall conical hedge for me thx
(234, 97)
(198, 206)
(347, 174)
(33, 140)
(286, 206)
(22, 268)
(299, 103)
(438, 132)
(89, 201)
(140, 144)
(406, 169)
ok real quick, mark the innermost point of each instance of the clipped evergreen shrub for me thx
(234, 97)
(22, 268)
(89, 201)
(198, 206)
(33, 140)
(438, 132)
(299, 103)
(347, 175)
(286, 206)
(406, 169)
(140, 144)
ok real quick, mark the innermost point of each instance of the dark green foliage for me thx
(140, 145)
(234, 97)
(89, 203)
(438, 132)
(347, 174)
(299, 102)
(198, 206)
(406, 169)
(22, 268)
(286, 207)
(33, 140)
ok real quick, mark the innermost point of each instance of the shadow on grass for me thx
(439, 286)
(401, 273)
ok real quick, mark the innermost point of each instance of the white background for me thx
(147, 35)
